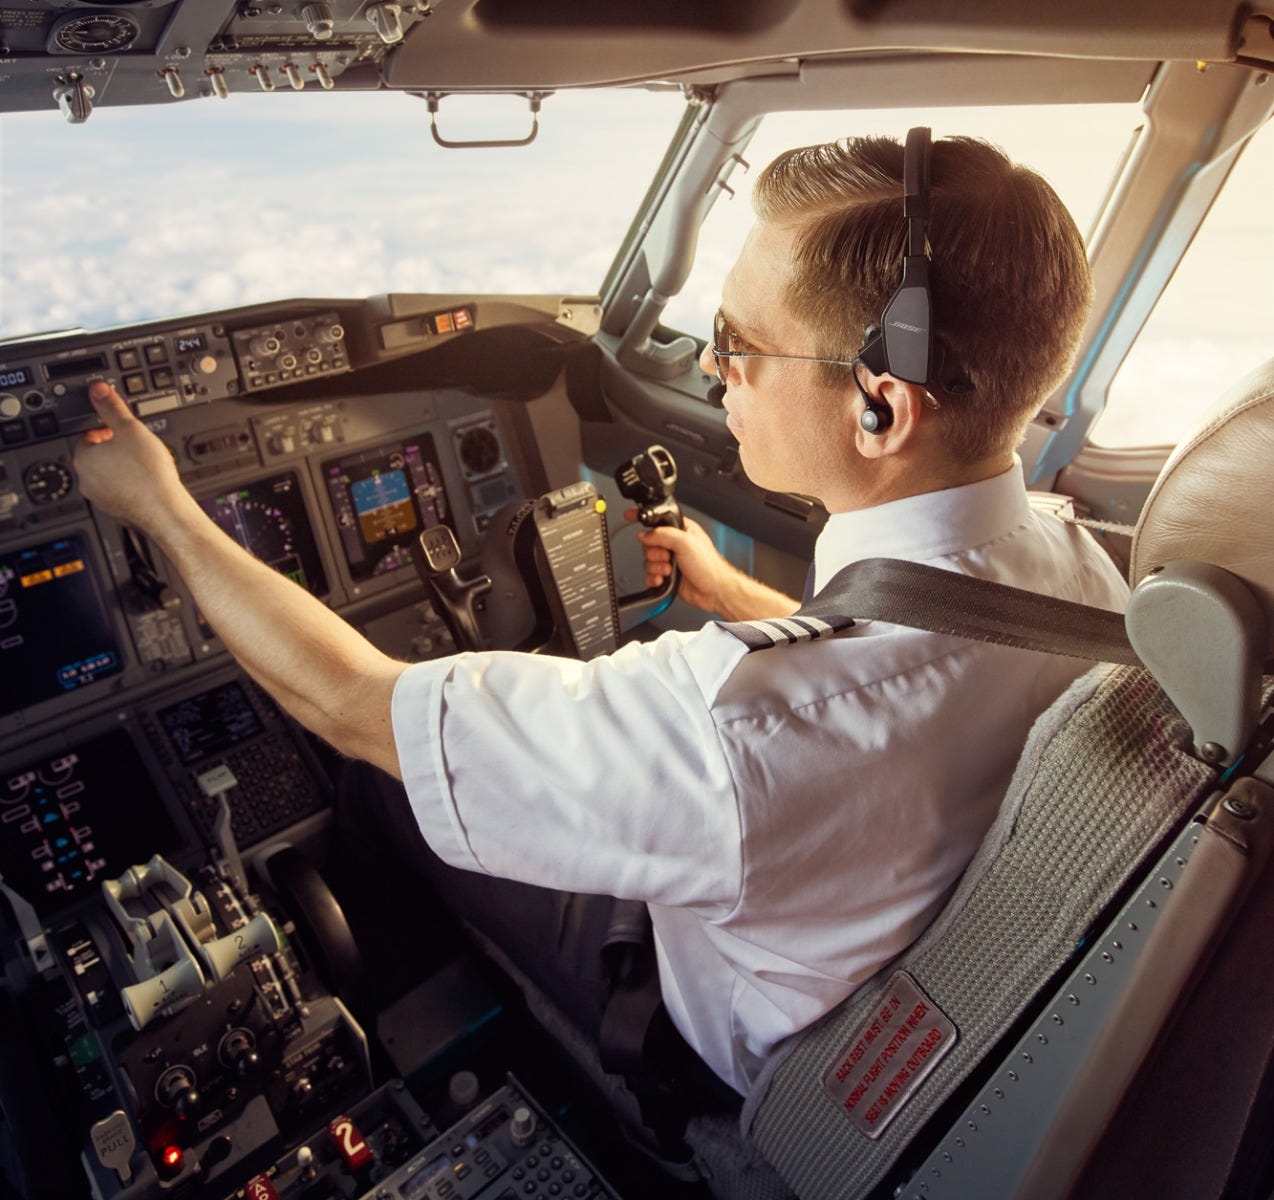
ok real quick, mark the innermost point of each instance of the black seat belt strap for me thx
(926, 597)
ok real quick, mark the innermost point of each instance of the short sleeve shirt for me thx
(795, 817)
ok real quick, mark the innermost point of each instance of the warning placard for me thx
(888, 1055)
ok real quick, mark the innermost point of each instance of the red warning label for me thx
(888, 1056)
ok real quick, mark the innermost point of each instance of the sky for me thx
(210, 204)
(172, 210)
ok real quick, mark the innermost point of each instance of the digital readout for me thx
(70, 367)
(186, 342)
(16, 377)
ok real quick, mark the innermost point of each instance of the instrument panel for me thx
(276, 434)
(189, 1022)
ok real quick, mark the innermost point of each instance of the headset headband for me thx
(902, 345)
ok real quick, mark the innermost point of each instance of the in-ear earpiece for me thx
(876, 418)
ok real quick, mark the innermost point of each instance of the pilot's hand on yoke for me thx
(126, 470)
(704, 573)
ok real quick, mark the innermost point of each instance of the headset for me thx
(902, 344)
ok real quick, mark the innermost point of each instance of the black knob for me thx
(188, 1104)
(246, 1063)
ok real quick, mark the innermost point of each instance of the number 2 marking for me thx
(344, 1130)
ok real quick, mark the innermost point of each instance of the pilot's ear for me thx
(904, 407)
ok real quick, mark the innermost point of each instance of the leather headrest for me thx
(1214, 499)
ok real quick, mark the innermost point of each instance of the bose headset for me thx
(902, 344)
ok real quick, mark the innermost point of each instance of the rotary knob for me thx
(522, 1126)
(318, 20)
(10, 406)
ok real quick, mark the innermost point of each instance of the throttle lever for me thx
(452, 598)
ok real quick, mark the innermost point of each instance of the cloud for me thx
(173, 210)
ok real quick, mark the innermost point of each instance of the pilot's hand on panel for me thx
(126, 470)
(704, 573)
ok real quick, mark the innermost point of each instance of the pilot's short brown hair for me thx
(1010, 279)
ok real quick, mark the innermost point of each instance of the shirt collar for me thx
(923, 527)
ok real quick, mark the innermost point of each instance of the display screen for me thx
(72, 819)
(75, 366)
(382, 499)
(211, 722)
(268, 519)
(16, 377)
(186, 342)
(55, 632)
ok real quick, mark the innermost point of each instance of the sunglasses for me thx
(725, 339)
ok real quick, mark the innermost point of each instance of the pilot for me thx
(792, 818)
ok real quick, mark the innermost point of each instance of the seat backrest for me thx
(1110, 771)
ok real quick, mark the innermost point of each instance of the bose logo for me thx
(908, 328)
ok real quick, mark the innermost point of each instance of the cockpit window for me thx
(1210, 326)
(1077, 148)
(164, 210)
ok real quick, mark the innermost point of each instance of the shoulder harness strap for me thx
(941, 601)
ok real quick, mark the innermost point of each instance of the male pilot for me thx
(792, 818)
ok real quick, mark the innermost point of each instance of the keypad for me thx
(274, 789)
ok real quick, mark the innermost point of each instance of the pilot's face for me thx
(794, 434)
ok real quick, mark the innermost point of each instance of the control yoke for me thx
(648, 480)
(559, 550)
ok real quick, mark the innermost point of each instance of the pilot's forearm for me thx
(318, 668)
(742, 598)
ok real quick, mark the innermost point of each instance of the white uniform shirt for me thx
(794, 817)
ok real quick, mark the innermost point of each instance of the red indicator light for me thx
(172, 1157)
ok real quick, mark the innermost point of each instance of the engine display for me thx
(268, 519)
(72, 819)
(381, 499)
(55, 632)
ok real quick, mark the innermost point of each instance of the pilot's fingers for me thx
(107, 404)
(630, 514)
(663, 537)
(656, 554)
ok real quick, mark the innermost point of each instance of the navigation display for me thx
(74, 818)
(382, 499)
(268, 519)
(210, 722)
(55, 631)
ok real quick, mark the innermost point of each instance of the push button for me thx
(156, 352)
(134, 385)
(163, 378)
(13, 432)
(45, 424)
(129, 360)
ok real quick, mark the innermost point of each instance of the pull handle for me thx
(533, 99)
